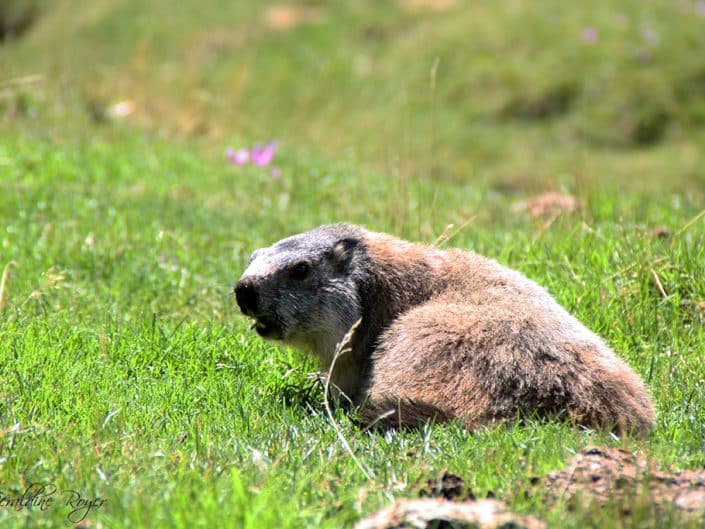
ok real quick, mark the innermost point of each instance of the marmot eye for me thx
(299, 270)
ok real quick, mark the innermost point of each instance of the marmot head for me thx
(303, 288)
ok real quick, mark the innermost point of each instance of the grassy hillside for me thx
(126, 372)
(513, 92)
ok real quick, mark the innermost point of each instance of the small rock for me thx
(661, 232)
(122, 109)
(547, 204)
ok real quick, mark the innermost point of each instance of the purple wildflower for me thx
(700, 9)
(240, 157)
(262, 156)
(589, 35)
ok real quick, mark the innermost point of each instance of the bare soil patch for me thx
(447, 504)
(283, 17)
(596, 474)
(448, 486)
(432, 5)
(603, 475)
(445, 514)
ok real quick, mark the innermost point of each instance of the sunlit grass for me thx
(128, 374)
(126, 371)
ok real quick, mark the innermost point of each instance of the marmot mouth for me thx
(268, 328)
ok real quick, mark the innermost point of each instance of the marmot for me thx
(443, 335)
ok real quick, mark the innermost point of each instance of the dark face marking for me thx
(300, 270)
(300, 290)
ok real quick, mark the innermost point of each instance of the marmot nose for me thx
(246, 295)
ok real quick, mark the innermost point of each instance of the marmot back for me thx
(443, 334)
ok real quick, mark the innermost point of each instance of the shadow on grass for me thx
(16, 17)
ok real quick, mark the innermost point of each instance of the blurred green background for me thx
(524, 95)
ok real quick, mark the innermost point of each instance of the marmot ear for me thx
(342, 253)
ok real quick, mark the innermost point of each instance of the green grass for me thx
(126, 371)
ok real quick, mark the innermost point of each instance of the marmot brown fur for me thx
(443, 334)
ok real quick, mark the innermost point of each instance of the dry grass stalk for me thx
(3, 282)
(340, 349)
